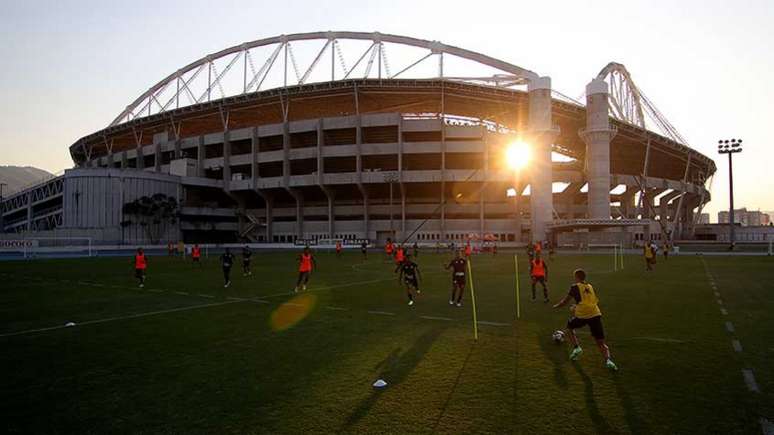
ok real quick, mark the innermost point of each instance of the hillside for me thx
(17, 177)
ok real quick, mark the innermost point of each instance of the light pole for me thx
(730, 147)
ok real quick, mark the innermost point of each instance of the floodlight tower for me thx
(730, 147)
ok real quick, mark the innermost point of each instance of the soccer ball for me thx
(558, 336)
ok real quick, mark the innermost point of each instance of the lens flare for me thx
(517, 155)
(293, 311)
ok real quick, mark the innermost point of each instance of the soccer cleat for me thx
(451, 302)
(227, 284)
(411, 302)
(303, 287)
(575, 353)
(545, 301)
(419, 291)
(459, 304)
(611, 365)
(295, 290)
(142, 285)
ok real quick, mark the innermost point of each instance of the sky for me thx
(69, 67)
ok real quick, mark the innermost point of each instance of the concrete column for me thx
(331, 214)
(178, 148)
(648, 206)
(359, 174)
(269, 201)
(286, 154)
(200, 157)
(402, 211)
(597, 136)
(226, 161)
(254, 150)
(482, 195)
(627, 202)
(140, 158)
(442, 220)
(157, 157)
(541, 136)
(124, 160)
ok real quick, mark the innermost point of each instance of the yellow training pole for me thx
(622, 254)
(518, 299)
(473, 300)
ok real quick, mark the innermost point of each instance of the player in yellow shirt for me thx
(649, 251)
(585, 312)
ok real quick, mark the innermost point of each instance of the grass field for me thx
(185, 355)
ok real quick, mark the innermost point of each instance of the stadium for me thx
(311, 136)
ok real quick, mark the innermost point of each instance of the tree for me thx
(152, 213)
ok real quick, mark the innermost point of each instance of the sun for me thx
(517, 155)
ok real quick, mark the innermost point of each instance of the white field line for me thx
(447, 319)
(206, 296)
(729, 327)
(749, 379)
(182, 293)
(659, 339)
(331, 307)
(723, 311)
(381, 313)
(112, 319)
(736, 345)
(484, 322)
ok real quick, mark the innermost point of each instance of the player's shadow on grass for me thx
(601, 425)
(395, 369)
(557, 356)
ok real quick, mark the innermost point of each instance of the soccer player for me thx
(338, 248)
(458, 265)
(551, 250)
(538, 270)
(227, 260)
(415, 250)
(399, 255)
(666, 251)
(247, 255)
(410, 276)
(196, 255)
(650, 256)
(389, 248)
(364, 250)
(585, 312)
(140, 265)
(306, 263)
(468, 251)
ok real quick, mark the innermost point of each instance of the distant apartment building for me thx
(704, 219)
(745, 218)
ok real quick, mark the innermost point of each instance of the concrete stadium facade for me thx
(377, 158)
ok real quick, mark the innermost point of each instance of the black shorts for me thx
(139, 273)
(195, 259)
(595, 325)
(411, 281)
(246, 263)
(458, 280)
(539, 279)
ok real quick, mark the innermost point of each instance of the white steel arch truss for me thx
(629, 104)
(282, 58)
